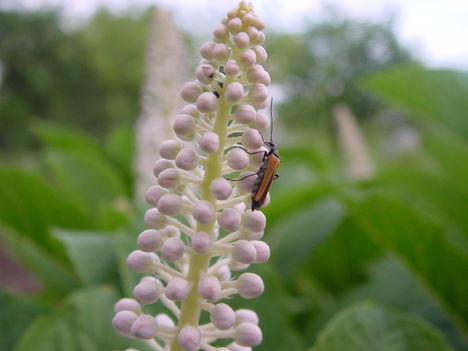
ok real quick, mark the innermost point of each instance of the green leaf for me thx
(366, 326)
(81, 323)
(92, 254)
(298, 234)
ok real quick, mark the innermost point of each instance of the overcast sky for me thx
(437, 30)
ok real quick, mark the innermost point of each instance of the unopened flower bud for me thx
(254, 221)
(229, 220)
(170, 231)
(184, 126)
(262, 250)
(123, 321)
(207, 102)
(189, 109)
(201, 243)
(203, 212)
(231, 68)
(245, 114)
(254, 34)
(224, 273)
(189, 338)
(257, 159)
(220, 52)
(169, 204)
(248, 334)
(177, 289)
(245, 315)
(149, 240)
(234, 92)
(258, 92)
(262, 122)
(187, 159)
(221, 33)
(248, 57)
(250, 285)
(235, 25)
(206, 50)
(169, 178)
(244, 252)
(237, 159)
(205, 73)
(252, 139)
(260, 52)
(209, 142)
(169, 148)
(154, 218)
(222, 316)
(190, 91)
(247, 182)
(144, 327)
(163, 320)
(142, 262)
(154, 193)
(172, 249)
(147, 290)
(242, 40)
(209, 288)
(249, 19)
(127, 304)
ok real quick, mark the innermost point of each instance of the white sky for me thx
(437, 30)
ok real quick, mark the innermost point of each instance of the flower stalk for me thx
(203, 234)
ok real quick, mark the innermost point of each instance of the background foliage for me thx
(378, 263)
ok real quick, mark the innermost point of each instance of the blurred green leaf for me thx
(81, 322)
(366, 326)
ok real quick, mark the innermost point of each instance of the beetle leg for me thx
(276, 176)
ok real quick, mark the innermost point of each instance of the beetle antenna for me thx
(271, 118)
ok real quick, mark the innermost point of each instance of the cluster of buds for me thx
(203, 233)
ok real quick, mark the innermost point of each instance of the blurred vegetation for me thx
(380, 262)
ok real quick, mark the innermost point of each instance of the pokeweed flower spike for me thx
(203, 232)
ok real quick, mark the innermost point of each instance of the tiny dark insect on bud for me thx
(216, 94)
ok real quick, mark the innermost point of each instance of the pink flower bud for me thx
(221, 188)
(201, 243)
(169, 231)
(259, 24)
(260, 52)
(229, 220)
(221, 33)
(220, 52)
(177, 289)
(187, 159)
(256, 160)
(205, 73)
(235, 25)
(223, 316)
(244, 315)
(154, 218)
(209, 142)
(234, 92)
(260, 39)
(247, 183)
(224, 273)
(206, 50)
(254, 221)
(250, 285)
(262, 250)
(203, 212)
(149, 241)
(257, 74)
(169, 178)
(163, 320)
(232, 13)
(172, 249)
(127, 304)
(248, 58)
(190, 91)
(248, 334)
(189, 109)
(242, 40)
(231, 68)
(189, 338)
(244, 252)
(262, 122)
(251, 139)
(123, 321)
(147, 291)
(258, 93)
(154, 193)
(184, 126)
(142, 262)
(254, 34)
(209, 288)
(169, 148)
(249, 19)
(245, 114)
(170, 204)
(144, 327)
(207, 102)
(237, 159)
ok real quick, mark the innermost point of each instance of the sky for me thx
(436, 30)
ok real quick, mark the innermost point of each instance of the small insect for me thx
(267, 171)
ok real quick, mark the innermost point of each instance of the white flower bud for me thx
(258, 93)
(220, 52)
(262, 250)
(207, 102)
(169, 178)
(242, 40)
(169, 149)
(260, 52)
(221, 33)
(142, 262)
(201, 243)
(247, 183)
(221, 188)
(209, 288)
(189, 338)
(189, 109)
(235, 25)
(250, 285)
(147, 291)
(229, 220)
(236, 347)
(190, 91)
(123, 321)
(231, 68)
(224, 273)
(172, 249)
(262, 122)
(203, 212)
(248, 57)
(254, 221)
(177, 289)
(244, 252)
(163, 320)
(154, 218)
(127, 304)
(144, 327)
(170, 204)
(149, 240)
(154, 193)
(234, 92)
(245, 114)
(206, 50)
(222, 316)
(209, 142)
(237, 159)
(244, 315)
(187, 159)
(248, 334)
(184, 126)
(251, 139)
(205, 73)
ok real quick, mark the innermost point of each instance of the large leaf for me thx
(81, 323)
(367, 326)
